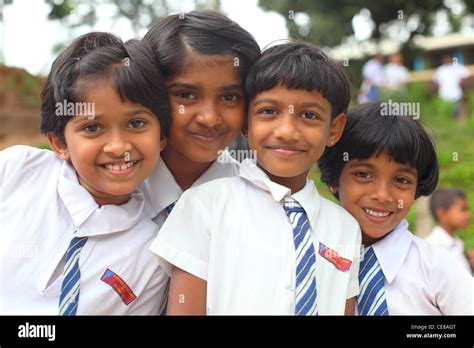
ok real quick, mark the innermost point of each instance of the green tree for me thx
(331, 21)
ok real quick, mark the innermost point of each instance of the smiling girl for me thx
(204, 57)
(78, 209)
(377, 169)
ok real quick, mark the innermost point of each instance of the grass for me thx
(455, 149)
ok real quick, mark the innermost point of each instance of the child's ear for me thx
(333, 189)
(336, 129)
(163, 143)
(58, 146)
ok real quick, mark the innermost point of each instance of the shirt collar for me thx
(88, 217)
(307, 197)
(392, 250)
(163, 189)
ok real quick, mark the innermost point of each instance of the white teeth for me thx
(120, 167)
(376, 213)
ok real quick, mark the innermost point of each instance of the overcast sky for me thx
(27, 37)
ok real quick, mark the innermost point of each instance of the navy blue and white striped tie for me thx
(169, 208)
(72, 276)
(371, 299)
(306, 292)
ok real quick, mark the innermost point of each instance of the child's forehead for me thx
(201, 69)
(460, 202)
(381, 159)
(194, 60)
(284, 93)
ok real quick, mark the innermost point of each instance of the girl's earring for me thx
(332, 189)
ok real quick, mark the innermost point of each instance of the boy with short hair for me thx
(265, 242)
(451, 213)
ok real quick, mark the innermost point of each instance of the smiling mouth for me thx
(377, 214)
(285, 150)
(206, 138)
(119, 167)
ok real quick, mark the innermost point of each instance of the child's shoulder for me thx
(24, 153)
(20, 157)
(334, 211)
(216, 188)
(434, 259)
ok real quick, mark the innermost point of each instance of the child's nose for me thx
(117, 145)
(381, 192)
(209, 115)
(287, 129)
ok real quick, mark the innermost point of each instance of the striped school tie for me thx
(371, 299)
(169, 208)
(71, 281)
(306, 292)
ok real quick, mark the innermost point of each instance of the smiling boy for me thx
(265, 242)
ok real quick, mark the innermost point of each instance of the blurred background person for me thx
(373, 79)
(448, 76)
(396, 74)
(451, 213)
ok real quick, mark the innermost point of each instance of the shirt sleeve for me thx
(11, 160)
(453, 286)
(353, 289)
(184, 239)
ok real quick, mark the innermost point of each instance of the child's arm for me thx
(183, 246)
(452, 285)
(350, 306)
(187, 294)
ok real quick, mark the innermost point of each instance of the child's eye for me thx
(310, 115)
(363, 175)
(267, 111)
(402, 180)
(230, 97)
(185, 95)
(137, 124)
(92, 128)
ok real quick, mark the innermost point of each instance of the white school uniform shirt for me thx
(449, 77)
(396, 75)
(42, 207)
(235, 234)
(421, 279)
(161, 188)
(439, 237)
(373, 72)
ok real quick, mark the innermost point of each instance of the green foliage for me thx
(331, 21)
(44, 145)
